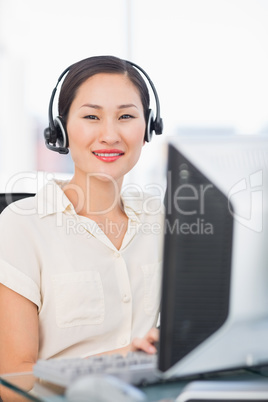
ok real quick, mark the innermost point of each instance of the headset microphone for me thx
(56, 138)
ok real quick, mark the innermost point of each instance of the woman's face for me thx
(106, 127)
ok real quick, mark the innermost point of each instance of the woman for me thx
(80, 261)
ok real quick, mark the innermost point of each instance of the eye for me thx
(91, 117)
(126, 117)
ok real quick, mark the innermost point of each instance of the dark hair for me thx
(84, 69)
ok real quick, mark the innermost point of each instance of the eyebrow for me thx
(127, 105)
(93, 106)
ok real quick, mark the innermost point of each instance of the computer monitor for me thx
(214, 313)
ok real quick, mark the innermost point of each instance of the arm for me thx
(19, 338)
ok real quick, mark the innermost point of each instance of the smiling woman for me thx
(87, 291)
(106, 117)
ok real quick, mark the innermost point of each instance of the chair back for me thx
(8, 198)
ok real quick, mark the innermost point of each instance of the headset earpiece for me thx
(62, 138)
(149, 126)
(56, 137)
(152, 125)
(158, 126)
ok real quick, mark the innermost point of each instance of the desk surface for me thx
(26, 387)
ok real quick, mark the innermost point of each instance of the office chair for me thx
(8, 198)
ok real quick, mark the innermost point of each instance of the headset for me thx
(56, 138)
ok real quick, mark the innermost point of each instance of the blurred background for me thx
(207, 58)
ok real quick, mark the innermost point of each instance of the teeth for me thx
(107, 154)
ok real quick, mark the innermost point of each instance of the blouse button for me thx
(123, 341)
(126, 299)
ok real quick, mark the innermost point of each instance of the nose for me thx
(109, 133)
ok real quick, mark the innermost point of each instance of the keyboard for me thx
(137, 368)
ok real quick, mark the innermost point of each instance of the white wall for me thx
(210, 59)
(207, 58)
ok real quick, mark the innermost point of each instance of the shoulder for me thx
(16, 209)
(16, 227)
(48, 200)
(18, 220)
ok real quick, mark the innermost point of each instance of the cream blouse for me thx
(90, 296)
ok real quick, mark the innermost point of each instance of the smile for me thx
(108, 156)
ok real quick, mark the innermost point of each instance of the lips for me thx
(106, 155)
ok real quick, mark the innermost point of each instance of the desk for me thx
(25, 387)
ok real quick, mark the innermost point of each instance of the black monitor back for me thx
(197, 260)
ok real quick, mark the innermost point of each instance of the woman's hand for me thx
(146, 344)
